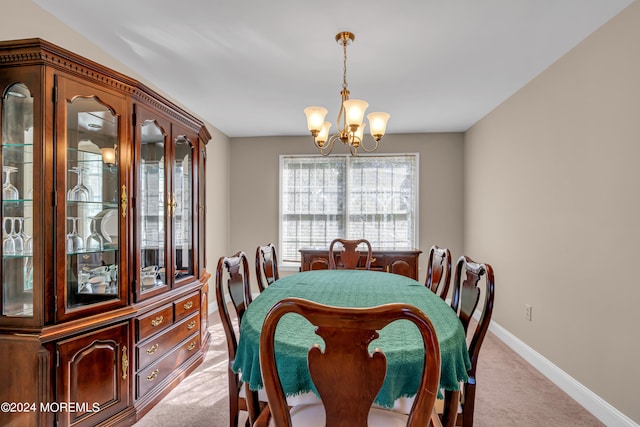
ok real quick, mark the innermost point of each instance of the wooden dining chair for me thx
(266, 265)
(466, 295)
(232, 280)
(346, 375)
(439, 271)
(350, 255)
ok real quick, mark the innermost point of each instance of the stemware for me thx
(16, 234)
(26, 238)
(28, 273)
(8, 244)
(74, 241)
(9, 191)
(80, 192)
(95, 241)
(113, 286)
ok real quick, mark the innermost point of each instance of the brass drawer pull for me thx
(153, 375)
(191, 346)
(158, 320)
(191, 325)
(125, 363)
(152, 349)
(188, 305)
(123, 201)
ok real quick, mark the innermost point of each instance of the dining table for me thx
(400, 341)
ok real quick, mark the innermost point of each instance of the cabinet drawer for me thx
(154, 322)
(378, 262)
(153, 375)
(186, 306)
(158, 345)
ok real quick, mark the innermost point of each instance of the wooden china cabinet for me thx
(103, 308)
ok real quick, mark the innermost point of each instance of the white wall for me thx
(552, 202)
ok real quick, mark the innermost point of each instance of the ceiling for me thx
(249, 67)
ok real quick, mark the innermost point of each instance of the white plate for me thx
(107, 224)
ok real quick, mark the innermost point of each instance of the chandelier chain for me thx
(344, 67)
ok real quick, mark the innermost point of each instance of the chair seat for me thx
(312, 415)
(262, 395)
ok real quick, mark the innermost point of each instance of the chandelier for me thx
(350, 117)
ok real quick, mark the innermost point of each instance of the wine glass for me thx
(80, 192)
(9, 191)
(74, 241)
(8, 245)
(16, 234)
(113, 288)
(28, 273)
(95, 241)
(27, 239)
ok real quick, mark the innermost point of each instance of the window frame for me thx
(348, 169)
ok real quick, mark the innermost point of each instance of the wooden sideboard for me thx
(404, 262)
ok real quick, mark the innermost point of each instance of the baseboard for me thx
(593, 403)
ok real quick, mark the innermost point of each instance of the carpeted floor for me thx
(510, 392)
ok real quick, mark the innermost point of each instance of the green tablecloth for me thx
(400, 341)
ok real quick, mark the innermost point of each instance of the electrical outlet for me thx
(527, 312)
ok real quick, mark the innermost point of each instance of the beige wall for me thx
(550, 198)
(552, 201)
(254, 187)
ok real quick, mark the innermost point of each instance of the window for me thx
(371, 197)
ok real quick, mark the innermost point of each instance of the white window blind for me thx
(371, 197)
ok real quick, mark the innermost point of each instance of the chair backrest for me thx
(349, 256)
(232, 278)
(466, 295)
(347, 333)
(439, 271)
(266, 265)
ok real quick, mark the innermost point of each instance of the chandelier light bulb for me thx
(315, 118)
(355, 109)
(323, 134)
(359, 134)
(378, 124)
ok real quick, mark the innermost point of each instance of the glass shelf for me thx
(91, 203)
(17, 204)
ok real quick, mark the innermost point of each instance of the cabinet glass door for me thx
(153, 223)
(92, 208)
(17, 202)
(182, 208)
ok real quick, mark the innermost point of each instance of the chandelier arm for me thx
(369, 150)
(327, 147)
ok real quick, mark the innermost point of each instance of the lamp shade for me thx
(355, 109)
(359, 134)
(108, 155)
(378, 123)
(324, 133)
(315, 118)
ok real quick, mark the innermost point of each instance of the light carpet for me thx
(510, 392)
